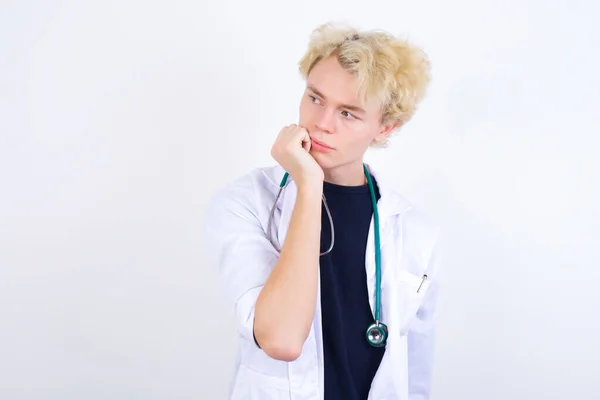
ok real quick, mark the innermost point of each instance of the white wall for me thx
(114, 121)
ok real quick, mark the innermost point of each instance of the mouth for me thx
(320, 144)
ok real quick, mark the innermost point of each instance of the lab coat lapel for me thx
(370, 264)
(388, 206)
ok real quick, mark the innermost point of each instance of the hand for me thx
(291, 151)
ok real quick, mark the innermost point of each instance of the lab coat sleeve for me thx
(237, 245)
(421, 336)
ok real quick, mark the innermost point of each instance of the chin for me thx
(325, 161)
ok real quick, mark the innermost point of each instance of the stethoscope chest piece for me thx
(377, 334)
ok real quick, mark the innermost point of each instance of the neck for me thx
(346, 175)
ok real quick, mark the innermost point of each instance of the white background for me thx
(118, 119)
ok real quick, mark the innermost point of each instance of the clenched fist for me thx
(291, 151)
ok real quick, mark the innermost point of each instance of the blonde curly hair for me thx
(389, 69)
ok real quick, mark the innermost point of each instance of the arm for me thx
(273, 295)
(421, 337)
(286, 305)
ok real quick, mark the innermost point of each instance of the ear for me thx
(385, 130)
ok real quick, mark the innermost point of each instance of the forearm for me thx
(285, 307)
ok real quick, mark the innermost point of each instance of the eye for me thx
(347, 114)
(314, 100)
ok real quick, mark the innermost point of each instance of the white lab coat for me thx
(235, 229)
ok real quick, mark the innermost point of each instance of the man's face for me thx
(332, 114)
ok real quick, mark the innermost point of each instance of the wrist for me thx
(310, 187)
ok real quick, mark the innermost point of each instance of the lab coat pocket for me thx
(411, 289)
(254, 385)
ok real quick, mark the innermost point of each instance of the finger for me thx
(306, 137)
(306, 143)
(306, 146)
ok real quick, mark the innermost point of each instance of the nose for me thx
(325, 121)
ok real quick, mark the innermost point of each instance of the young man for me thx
(332, 275)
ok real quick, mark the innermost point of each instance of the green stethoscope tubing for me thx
(377, 332)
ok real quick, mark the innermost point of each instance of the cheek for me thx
(357, 137)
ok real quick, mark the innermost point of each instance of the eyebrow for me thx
(347, 106)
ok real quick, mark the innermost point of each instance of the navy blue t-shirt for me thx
(350, 362)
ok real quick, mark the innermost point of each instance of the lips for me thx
(321, 143)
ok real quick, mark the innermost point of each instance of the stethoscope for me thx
(377, 333)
